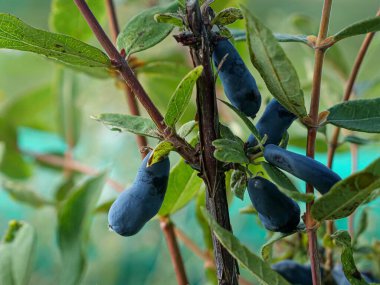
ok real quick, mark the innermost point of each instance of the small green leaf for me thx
(226, 133)
(143, 32)
(20, 192)
(227, 16)
(65, 18)
(104, 207)
(181, 97)
(346, 195)
(182, 186)
(275, 68)
(169, 18)
(266, 249)
(359, 28)
(260, 269)
(357, 115)
(160, 152)
(248, 210)
(229, 151)
(356, 140)
(278, 177)
(64, 188)
(363, 224)
(74, 218)
(245, 119)
(343, 239)
(15, 34)
(187, 128)
(134, 124)
(238, 182)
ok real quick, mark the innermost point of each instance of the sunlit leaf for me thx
(160, 152)
(227, 16)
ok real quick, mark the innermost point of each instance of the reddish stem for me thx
(311, 137)
(354, 168)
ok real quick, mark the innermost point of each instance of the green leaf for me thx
(17, 254)
(363, 224)
(238, 183)
(65, 18)
(227, 16)
(343, 239)
(346, 195)
(275, 68)
(241, 35)
(357, 115)
(356, 140)
(187, 128)
(248, 210)
(143, 32)
(20, 192)
(64, 188)
(229, 151)
(15, 34)
(245, 119)
(104, 207)
(226, 133)
(359, 28)
(182, 186)
(169, 18)
(181, 97)
(260, 269)
(266, 249)
(73, 227)
(134, 124)
(160, 152)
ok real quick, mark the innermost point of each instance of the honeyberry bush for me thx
(57, 113)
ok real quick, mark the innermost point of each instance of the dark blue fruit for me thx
(341, 279)
(303, 167)
(141, 202)
(239, 84)
(277, 212)
(293, 272)
(273, 123)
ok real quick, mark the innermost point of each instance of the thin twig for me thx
(311, 137)
(354, 168)
(334, 140)
(165, 223)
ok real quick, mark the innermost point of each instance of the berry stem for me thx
(311, 137)
(166, 225)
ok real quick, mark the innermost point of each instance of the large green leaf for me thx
(73, 227)
(182, 186)
(274, 66)
(359, 28)
(260, 269)
(343, 239)
(17, 254)
(181, 97)
(15, 34)
(65, 18)
(346, 195)
(356, 115)
(134, 124)
(143, 32)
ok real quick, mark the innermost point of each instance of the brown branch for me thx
(211, 170)
(183, 148)
(335, 137)
(311, 138)
(166, 225)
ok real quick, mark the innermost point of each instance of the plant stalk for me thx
(165, 223)
(311, 137)
(211, 170)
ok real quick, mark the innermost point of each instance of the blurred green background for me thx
(29, 105)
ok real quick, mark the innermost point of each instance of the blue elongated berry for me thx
(239, 85)
(274, 122)
(293, 272)
(142, 201)
(303, 167)
(277, 212)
